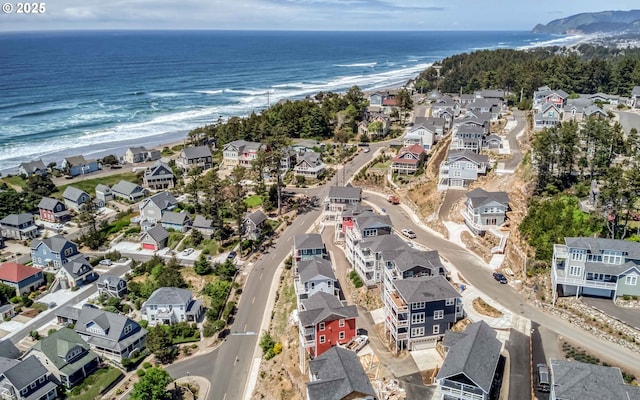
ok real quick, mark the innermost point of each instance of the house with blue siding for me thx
(77, 165)
(461, 168)
(74, 198)
(53, 252)
(178, 221)
(307, 246)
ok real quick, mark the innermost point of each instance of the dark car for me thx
(499, 277)
(232, 254)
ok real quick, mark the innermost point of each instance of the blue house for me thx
(77, 165)
(54, 251)
(180, 222)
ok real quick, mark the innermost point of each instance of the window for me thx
(436, 329)
(578, 254)
(33, 385)
(321, 326)
(341, 323)
(417, 306)
(417, 332)
(575, 270)
(449, 302)
(417, 318)
(457, 174)
(611, 257)
(631, 280)
(369, 232)
(127, 329)
(341, 336)
(438, 314)
(41, 379)
(322, 339)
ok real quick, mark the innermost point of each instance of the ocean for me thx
(93, 93)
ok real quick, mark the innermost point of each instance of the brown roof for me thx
(14, 272)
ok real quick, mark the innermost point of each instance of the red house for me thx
(325, 322)
(52, 210)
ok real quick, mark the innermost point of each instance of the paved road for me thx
(629, 315)
(628, 120)
(516, 155)
(476, 273)
(519, 366)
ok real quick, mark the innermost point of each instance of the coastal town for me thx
(388, 265)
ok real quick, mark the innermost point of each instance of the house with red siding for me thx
(53, 210)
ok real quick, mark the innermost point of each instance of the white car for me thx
(408, 233)
(186, 252)
(106, 262)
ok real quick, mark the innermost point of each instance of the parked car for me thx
(542, 377)
(367, 149)
(89, 305)
(186, 252)
(106, 262)
(232, 254)
(499, 277)
(409, 233)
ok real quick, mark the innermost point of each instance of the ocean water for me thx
(67, 93)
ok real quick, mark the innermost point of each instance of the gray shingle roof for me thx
(345, 192)
(8, 349)
(480, 197)
(169, 295)
(47, 203)
(31, 166)
(383, 243)
(574, 380)
(73, 193)
(596, 245)
(159, 169)
(475, 355)
(197, 152)
(175, 218)
(257, 217)
(17, 219)
(157, 233)
(163, 200)
(75, 160)
(455, 155)
(323, 306)
(431, 288)
(25, 372)
(54, 243)
(202, 222)
(406, 259)
(308, 241)
(372, 220)
(127, 188)
(77, 266)
(337, 374)
(315, 267)
(110, 280)
(243, 145)
(102, 188)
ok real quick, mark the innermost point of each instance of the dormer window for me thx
(127, 329)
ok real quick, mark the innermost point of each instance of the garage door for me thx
(597, 292)
(424, 344)
(148, 246)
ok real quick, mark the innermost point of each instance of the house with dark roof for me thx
(155, 238)
(53, 210)
(140, 154)
(25, 279)
(307, 246)
(461, 168)
(312, 276)
(151, 208)
(159, 177)
(546, 95)
(77, 165)
(111, 286)
(422, 135)
(338, 375)
(53, 251)
(549, 116)
(111, 335)
(66, 356)
(32, 168)
(195, 157)
(470, 363)
(252, 224)
(408, 160)
(178, 221)
(585, 266)
(467, 137)
(77, 271)
(634, 99)
(419, 310)
(128, 191)
(309, 165)
(170, 305)
(485, 210)
(324, 321)
(74, 198)
(103, 195)
(240, 153)
(27, 379)
(573, 380)
(204, 225)
(340, 197)
(18, 226)
(9, 350)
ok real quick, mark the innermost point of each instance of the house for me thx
(315, 275)
(111, 286)
(485, 210)
(309, 165)
(490, 106)
(25, 279)
(103, 195)
(461, 168)
(140, 154)
(240, 153)
(545, 95)
(492, 142)
(634, 100)
(9, 350)
(424, 136)
(594, 111)
(585, 266)
(159, 177)
(325, 322)
(438, 125)
(7, 312)
(307, 246)
(32, 168)
(155, 238)
(340, 197)
(53, 251)
(338, 375)
(77, 271)
(77, 165)
(467, 137)
(252, 224)
(27, 379)
(549, 116)
(470, 363)
(573, 380)
(408, 160)
(18, 226)
(204, 225)
(170, 305)
(419, 310)
(128, 191)
(180, 222)
(378, 126)
(74, 198)
(66, 356)
(111, 335)
(195, 157)
(53, 210)
(345, 219)
(151, 209)
(496, 94)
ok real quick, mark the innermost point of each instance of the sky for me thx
(358, 15)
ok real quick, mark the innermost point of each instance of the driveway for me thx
(451, 198)
(516, 155)
(631, 316)
(519, 366)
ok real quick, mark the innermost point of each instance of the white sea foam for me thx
(210, 91)
(369, 64)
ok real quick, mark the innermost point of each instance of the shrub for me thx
(146, 365)
(277, 348)
(140, 373)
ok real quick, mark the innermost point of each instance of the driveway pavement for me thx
(629, 315)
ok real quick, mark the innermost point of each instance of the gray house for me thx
(307, 246)
(111, 286)
(32, 168)
(169, 305)
(27, 379)
(103, 195)
(193, 157)
(252, 224)
(151, 208)
(159, 176)
(18, 226)
(573, 380)
(338, 374)
(141, 154)
(155, 238)
(204, 225)
(77, 271)
(77, 165)
(461, 168)
(485, 210)
(339, 198)
(309, 165)
(315, 275)
(180, 222)
(53, 251)
(74, 198)
(128, 191)
(471, 360)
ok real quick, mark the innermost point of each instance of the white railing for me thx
(469, 218)
(585, 283)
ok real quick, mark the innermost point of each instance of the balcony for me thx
(460, 390)
(469, 219)
(307, 337)
(398, 304)
(589, 283)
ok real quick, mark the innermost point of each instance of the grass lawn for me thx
(14, 181)
(254, 201)
(174, 239)
(89, 185)
(211, 245)
(383, 165)
(93, 385)
(180, 340)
